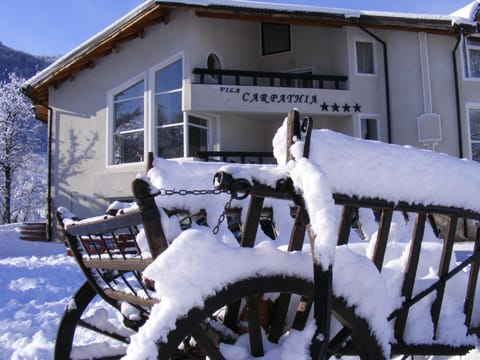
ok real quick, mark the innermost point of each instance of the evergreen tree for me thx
(17, 136)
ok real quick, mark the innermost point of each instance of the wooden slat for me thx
(443, 269)
(130, 298)
(282, 303)
(472, 283)
(382, 238)
(118, 264)
(105, 225)
(410, 272)
(345, 224)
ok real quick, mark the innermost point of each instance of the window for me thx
(275, 38)
(168, 110)
(128, 124)
(369, 129)
(197, 135)
(365, 57)
(213, 63)
(474, 119)
(174, 134)
(472, 56)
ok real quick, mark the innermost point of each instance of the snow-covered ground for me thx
(37, 280)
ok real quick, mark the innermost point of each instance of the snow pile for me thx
(338, 164)
(397, 173)
(37, 281)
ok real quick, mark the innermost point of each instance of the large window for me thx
(174, 133)
(474, 118)
(168, 111)
(128, 124)
(365, 57)
(178, 135)
(472, 56)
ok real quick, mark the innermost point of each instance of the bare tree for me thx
(17, 136)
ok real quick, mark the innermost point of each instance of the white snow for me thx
(38, 279)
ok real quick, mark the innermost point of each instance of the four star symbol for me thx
(336, 108)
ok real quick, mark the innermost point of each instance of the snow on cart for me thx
(346, 247)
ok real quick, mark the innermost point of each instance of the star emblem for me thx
(335, 107)
(357, 108)
(324, 106)
(346, 108)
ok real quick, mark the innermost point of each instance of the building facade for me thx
(178, 78)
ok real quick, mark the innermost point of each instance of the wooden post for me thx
(150, 216)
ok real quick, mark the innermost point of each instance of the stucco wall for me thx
(84, 180)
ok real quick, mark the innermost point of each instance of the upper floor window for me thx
(275, 38)
(365, 57)
(472, 56)
(128, 124)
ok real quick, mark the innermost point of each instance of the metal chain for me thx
(183, 192)
(222, 216)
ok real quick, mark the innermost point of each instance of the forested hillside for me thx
(23, 64)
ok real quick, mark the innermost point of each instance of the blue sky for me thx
(54, 27)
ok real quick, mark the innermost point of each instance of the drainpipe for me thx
(49, 172)
(387, 79)
(457, 94)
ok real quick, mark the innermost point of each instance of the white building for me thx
(175, 78)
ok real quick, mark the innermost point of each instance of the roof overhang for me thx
(153, 12)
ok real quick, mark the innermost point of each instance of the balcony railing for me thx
(263, 78)
(243, 157)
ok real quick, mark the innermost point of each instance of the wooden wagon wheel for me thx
(352, 337)
(111, 340)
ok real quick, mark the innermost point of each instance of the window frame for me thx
(264, 27)
(471, 106)
(467, 72)
(110, 119)
(358, 40)
(358, 126)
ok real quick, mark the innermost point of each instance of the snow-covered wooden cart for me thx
(346, 247)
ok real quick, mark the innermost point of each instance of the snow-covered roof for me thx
(156, 11)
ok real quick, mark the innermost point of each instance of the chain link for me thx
(184, 192)
(222, 216)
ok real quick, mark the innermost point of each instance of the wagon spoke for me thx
(254, 326)
(206, 343)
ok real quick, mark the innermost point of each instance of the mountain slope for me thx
(23, 64)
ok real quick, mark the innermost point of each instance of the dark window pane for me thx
(197, 140)
(365, 58)
(170, 142)
(476, 151)
(474, 115)
(474, 59)
(197, 121)
(128, 148)
(472, 40)
(169, 108)
(275, 38)
(369, 129)
(128, 115)
(131, 92)
(169, 78)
